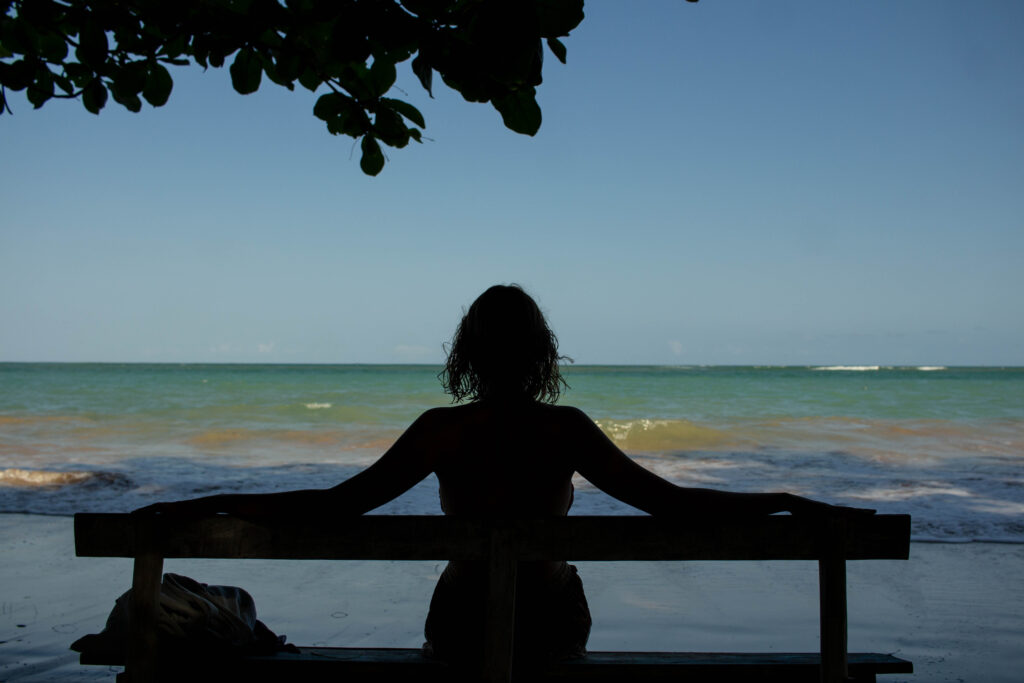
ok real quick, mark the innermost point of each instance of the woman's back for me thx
(504, 459)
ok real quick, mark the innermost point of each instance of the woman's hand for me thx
(182, 509)
(798, 505)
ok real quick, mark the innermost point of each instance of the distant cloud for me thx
(266, 348)
(676, 347)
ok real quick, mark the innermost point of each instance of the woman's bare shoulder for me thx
(441, 417)
(569, 412)
(567, 418)
(470, 413)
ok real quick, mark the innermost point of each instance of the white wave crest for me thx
(14, 476)
(318, 406)
(848, 368)
(930, 368)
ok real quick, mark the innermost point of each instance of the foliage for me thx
(487, 50)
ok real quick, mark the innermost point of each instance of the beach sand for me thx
(956, 611)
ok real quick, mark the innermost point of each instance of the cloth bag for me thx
(192, 617)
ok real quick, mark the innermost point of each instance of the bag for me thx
(192, 618)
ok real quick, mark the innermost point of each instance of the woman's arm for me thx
(405, 464)
(605, 466)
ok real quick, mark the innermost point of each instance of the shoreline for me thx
(955, 610)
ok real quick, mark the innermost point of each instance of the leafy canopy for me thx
(487, 50)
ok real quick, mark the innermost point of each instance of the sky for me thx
(795, 182)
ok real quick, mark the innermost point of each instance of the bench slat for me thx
(436, 537)
(352, 664)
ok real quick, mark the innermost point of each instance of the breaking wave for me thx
(16, 476)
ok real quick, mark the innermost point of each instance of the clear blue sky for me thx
(796, 182)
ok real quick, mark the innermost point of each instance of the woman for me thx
(507, 451)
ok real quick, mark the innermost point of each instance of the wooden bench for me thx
(502, 545)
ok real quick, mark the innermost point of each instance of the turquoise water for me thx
(944, 443)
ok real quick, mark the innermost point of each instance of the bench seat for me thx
(352, 665)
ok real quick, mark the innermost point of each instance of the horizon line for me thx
(869, 366)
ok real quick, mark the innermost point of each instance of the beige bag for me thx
(192, 617)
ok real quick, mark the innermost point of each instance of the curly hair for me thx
(503, 347)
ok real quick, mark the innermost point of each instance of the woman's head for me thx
(503, 347)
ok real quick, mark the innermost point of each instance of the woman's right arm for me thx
(605, 466)
(410, 459)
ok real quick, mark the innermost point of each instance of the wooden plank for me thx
(381, 537)
(386, 537)
(311, 664)
(713, 666)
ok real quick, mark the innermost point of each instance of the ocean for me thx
(945, 444)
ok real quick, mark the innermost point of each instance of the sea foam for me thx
(16, 476)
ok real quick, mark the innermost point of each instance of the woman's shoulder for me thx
(478, 409)
(441, 416)
(568, 412)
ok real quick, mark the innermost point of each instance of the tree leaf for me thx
(328, 106)
(350, 119)
(64, 84)
(79, 74)
(519, 111)
(424, 72)
(132, 77)
(16, 75)
(158, 85)
(355, 78)
(94, 97)
(126, 98)
(53, 47)
(405, 109)
(558, 17)
(389, 127)
(92, 45)
(558, 49)
(310, 80)
(216, 58)
(382, 76)
(372, 161)
(41, 89)
(246, 71)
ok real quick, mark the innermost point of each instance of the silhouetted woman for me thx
(506, 451)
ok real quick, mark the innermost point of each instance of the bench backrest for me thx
(502, 544)
(434, 537)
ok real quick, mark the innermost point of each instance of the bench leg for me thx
(141, 660)
(832, 588)
(500, 612)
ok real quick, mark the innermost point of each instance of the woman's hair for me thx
(503, 347)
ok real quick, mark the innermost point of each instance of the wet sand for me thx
(955, 610)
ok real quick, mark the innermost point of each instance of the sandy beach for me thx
(955, 610)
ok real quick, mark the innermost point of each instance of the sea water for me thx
(945, 444)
